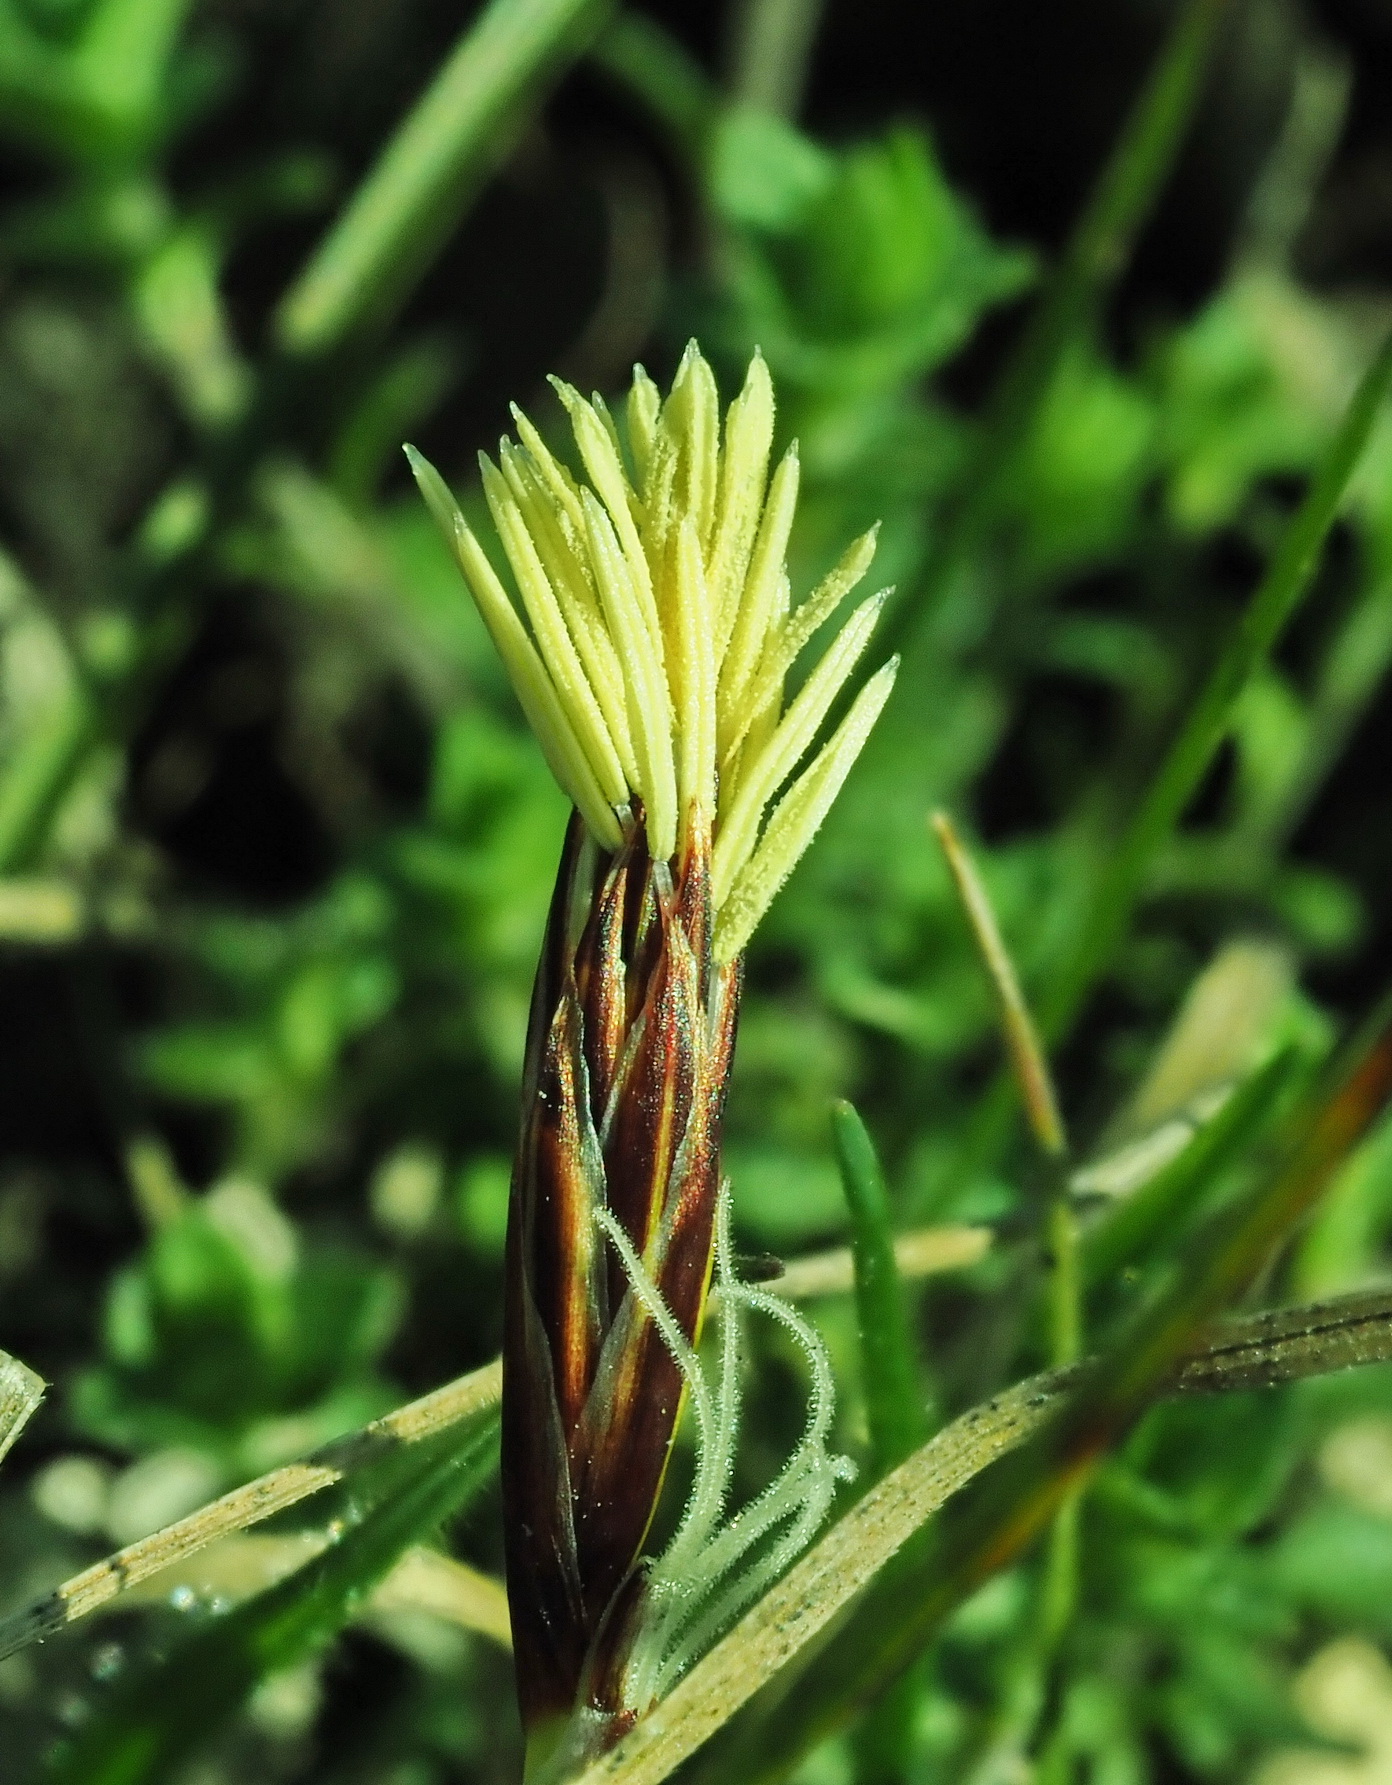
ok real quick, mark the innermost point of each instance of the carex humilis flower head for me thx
(649, 647)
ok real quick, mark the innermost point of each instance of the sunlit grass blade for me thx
(462, 126)
(1221, 1031)
(347, 1465)
(1133, 1225)
(1289, 1344)
(1027, 1057)
(163, 1718)
(799, 1608)
(937, 1570)
(424, 1579)
(1281, 1345)
(893, 1390)
(1094, 260)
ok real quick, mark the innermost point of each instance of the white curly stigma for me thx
(651, 634)
(693, 1592)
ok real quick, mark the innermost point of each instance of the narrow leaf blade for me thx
(166, 1715)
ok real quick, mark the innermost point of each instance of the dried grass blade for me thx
(282, 1488)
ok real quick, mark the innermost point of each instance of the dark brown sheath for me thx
(628, 1055)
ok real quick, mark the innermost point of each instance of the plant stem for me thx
(464, 124)
(772, 50)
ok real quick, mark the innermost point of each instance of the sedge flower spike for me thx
(649, 637)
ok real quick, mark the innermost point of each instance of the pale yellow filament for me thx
(658, 631)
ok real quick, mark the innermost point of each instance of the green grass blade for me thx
(1095, 258)
(1015, 1501)
(1129, 1229)
(895, 1408)
(893, 1391)
(459, 130)
(773, 47)
(1292, 1344)
(1277, 596)
(1279, 1345)
(344, 1469)
(163, 1718)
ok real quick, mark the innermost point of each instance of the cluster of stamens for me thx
(659, 631)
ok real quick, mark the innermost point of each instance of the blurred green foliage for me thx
(271, 828)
